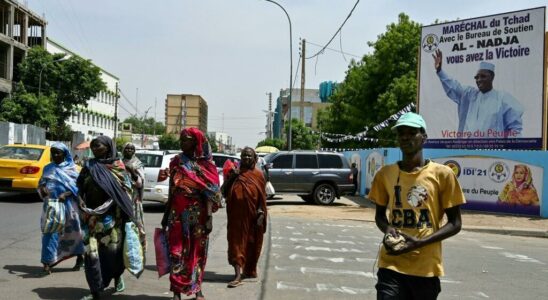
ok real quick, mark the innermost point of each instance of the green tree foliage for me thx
(377, 86)
(168, 142)
(120, 142)
(57, 84)
(212, 143)
(278, 143)
(302, 137)
(150, 125)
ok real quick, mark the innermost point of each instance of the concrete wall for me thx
(464, 163)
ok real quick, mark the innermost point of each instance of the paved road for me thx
(306, 258)
(312, 258)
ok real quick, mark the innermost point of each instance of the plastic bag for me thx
(270, 189)
(54, 217)
(163, 264)
(134, 260)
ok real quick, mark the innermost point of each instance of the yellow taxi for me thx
(21, 166)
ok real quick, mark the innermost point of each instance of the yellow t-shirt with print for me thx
(424, 195)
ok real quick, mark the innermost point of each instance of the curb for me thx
(508, 231)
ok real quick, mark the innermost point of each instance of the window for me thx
(306, 161)
(283, 161)
(150, 160)
(330, 161)
(21, 153)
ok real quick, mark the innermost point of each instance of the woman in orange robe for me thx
(246, 212)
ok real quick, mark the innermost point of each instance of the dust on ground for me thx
(361, 209)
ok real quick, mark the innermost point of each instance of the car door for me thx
(304, 173)
(281, 171)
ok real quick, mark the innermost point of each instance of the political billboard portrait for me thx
(481, 82)
(498, 184)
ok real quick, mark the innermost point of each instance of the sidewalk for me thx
(474, 220)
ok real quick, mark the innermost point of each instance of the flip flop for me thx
(234, 283)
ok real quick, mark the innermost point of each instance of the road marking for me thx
(296, 233)
(323, 287)
(289, 227)
(331, 259)
(320, 233)
(482, 294)
(521, 258)
(336, 225)
(306, 270)
(450, 281)
(314, 248)
(276, 246)
(492, 248)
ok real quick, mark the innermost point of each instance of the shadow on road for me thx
(300, 203)
(153, 207)
(14, 197)
(24, 271)
(57, 293)
(215, 277)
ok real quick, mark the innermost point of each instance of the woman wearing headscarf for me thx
(105, 191)
(520, 189)
(136, 170)
(59, 182)
(246, 215)
(193, 197)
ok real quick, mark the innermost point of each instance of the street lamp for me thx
(40, 76)
(290, 74)
(143, 130)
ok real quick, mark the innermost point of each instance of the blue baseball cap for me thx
(410, 119)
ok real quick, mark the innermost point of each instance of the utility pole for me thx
(143, 130)
(154, 127)
(269, 117)
(115, 112)
(303, 60)
(136, 102)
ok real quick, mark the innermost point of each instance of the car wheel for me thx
(308, 199)
(324, 194)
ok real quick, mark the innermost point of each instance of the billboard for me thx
(481, 82)
(497, 184)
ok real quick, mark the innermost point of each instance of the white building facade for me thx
(98, 118)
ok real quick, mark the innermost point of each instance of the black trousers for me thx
(392, 285)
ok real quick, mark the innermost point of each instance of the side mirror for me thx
(269, 166)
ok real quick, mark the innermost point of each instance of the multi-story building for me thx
(98, 117)
(310, 106)
(20, 29)
(223, 142)
(184, 111)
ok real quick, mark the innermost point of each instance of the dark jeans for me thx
(396, 286)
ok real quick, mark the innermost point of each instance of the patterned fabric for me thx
(194, 183)
(520, 189)
(137, 171)
(58, 179)
(105, 188)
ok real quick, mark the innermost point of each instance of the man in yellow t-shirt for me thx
(416, 193)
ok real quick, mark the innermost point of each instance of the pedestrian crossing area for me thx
(310, 259)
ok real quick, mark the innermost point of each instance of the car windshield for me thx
(220, 160)
(150, 160)
(22, 153)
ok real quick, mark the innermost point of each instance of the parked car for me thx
(156, 187)
(318, 177)
(21, 166)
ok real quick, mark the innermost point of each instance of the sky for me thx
(232, 53)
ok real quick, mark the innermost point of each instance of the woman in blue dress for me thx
(58, 181)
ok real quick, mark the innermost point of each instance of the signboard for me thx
(498, 185)
(481, 82)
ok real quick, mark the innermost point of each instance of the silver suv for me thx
(318, 177)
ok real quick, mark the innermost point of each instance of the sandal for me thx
(234, 283)
(79, 263)
(120, 285)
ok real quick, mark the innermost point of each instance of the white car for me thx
(156, 185)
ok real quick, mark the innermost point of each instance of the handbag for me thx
(134, 260)
(54, 217)
(270, 189)
(161, 248)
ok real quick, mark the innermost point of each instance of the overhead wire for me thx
(337, 32)
(334, 50)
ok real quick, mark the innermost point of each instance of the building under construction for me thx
(184, 111)
(20, 29)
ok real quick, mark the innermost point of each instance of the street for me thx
(305, 258)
